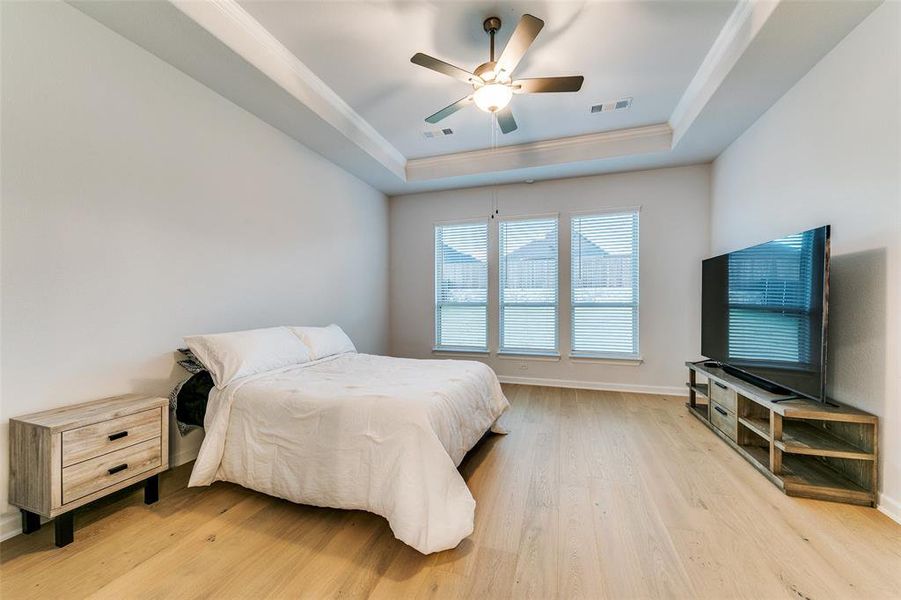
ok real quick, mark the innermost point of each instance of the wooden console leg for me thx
(64, 528)
(775, 435)
(692, 381)
(31, 522)
(152, 489)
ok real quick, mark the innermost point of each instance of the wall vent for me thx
(433, 133)
(621, 104)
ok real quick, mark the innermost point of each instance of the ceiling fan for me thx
(492, 82)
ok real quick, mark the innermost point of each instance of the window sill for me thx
(550, 356)
(459, 351)
(621, 361)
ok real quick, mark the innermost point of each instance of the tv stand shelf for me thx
(757, 425)
(811, 449)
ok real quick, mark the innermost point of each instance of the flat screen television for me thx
(765, 311)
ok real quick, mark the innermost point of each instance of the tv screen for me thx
(764, 311)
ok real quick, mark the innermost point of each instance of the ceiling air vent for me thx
(435, 133)
(621, 104)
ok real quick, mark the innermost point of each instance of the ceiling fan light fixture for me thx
(493, 97)
(492, 82)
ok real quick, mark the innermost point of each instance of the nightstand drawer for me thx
(93, 475)
(102, 438)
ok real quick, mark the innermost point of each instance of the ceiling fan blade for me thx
(429, 62)
(449, 110)
(525, 33)
(544, 85)
(505, 120)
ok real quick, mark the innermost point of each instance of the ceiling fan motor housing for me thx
(491, 25)
(486, 72)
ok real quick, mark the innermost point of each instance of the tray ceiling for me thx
(645, 50)
(335, 75)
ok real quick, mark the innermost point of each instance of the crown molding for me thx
(740, 29)
(228, 22)
(592, 146)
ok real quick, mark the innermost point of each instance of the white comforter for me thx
(358, 431)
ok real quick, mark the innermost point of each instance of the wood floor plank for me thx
(298, 535)
(79, 569)
(579, 571)
(593, 494)
(197, 560)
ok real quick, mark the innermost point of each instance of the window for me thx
(528, 290)
(461, 287)
(605, 285)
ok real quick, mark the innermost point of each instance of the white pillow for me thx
(324, 341)
(229, 356)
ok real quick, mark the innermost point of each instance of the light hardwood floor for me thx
(591, 495)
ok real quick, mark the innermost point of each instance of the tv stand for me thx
(806, 448)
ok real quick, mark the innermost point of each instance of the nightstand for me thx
(64, 458)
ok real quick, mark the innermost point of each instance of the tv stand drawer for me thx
(723, 395)
(724, 420)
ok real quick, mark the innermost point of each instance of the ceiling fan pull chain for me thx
(491, 141)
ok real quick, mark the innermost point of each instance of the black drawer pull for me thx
(720, 385)
(117, 436)
(721, 411)
(117, 468)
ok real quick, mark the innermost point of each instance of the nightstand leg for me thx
(152, 489)
(64, 528)
(31, 522)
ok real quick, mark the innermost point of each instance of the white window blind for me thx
(605, 285)
(528, 289)
(771, 300)
(461, 286)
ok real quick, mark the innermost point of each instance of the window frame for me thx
(626, 358)
(436, 287)
(527, 352)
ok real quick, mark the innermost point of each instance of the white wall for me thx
(673, 241)
(828, 153)
(138, 206)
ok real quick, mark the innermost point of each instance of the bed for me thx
(358, 431)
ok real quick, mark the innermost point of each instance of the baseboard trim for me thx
(11, 525)
(663, 390)
(889, 507)
(185, 456)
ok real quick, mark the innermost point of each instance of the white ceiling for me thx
(335, 75)
(645, 50)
